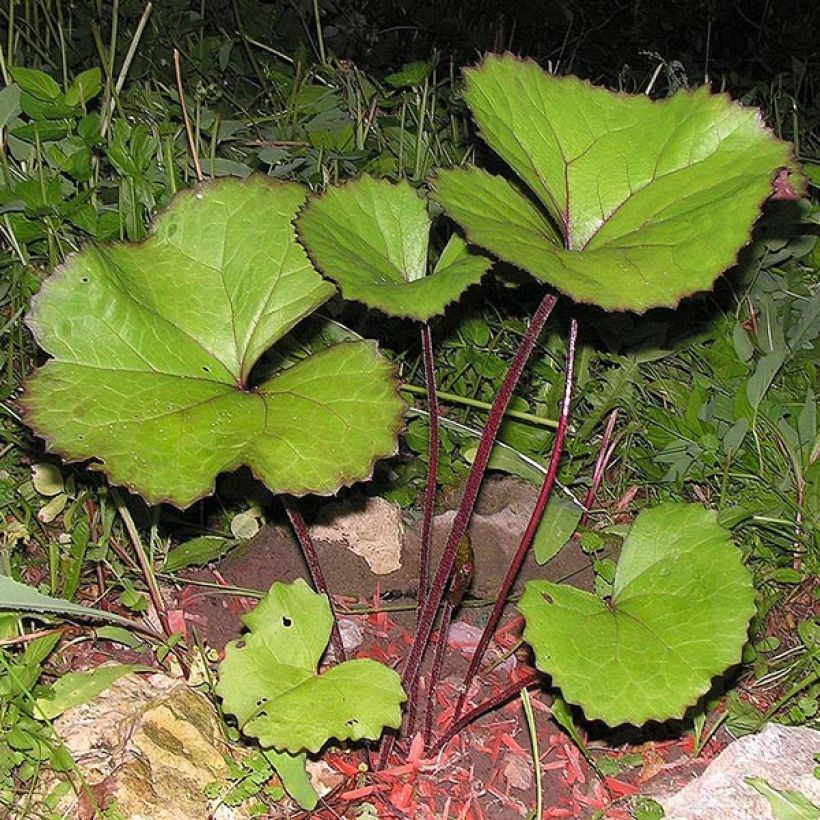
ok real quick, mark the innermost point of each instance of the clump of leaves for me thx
(615, 197)
(27, 742)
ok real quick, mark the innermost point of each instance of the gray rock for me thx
(782, 755)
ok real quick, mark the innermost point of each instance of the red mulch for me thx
(486, 772)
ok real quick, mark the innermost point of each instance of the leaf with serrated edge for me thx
(371, 236)
(652, 199)
(678, 615)
(269, 681)
(153, 345)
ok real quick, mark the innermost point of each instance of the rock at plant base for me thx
(781, 755)
(370, 527)
(150, 745)
(504, 507)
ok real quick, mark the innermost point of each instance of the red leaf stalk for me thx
(508, 692)
(316, 574)
(427, 614)
(532, 526)
(605, 453)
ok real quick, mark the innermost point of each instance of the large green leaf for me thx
(154, 343)
(629, 203)
(680, 607)
(371, 237)
(269, 679)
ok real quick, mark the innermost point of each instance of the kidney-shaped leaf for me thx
(635, 203)
(153, 345)
(371, 236)
(680, 607)
(269, 678)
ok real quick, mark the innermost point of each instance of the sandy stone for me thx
(150, 743)
(781, 755)
(369, 526)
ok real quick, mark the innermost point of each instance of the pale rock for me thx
(351, 632)
(155, 744)
(518, 772)
(781, 755)
(369, 527)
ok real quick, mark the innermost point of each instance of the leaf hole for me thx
(84, 280)
(260, 701)
(205, 368)
(286, 621)
(240, 644)
(352, 722)
(548, 598)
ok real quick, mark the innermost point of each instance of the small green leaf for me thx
(555, 528)
(154, 343)
(75, 688)
(371, 237)
(786, 804)
(47, 479)
(562, 715)
(645, 808)
(85, 87)
(624, 189)
(680, 606)
(196, 552)
(118, 634)
(506, 459)
(9, 104)
(269, 679)
(411, 74)
(760, 381)
(36, 83)
(294, 776)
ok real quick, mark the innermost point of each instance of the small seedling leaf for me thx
(196, 552)
(555, 528)
(371, 237)
(75, 688)
(293, 774)
(635, 203)
(269, 678)
(153, 346)
(680, 606)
